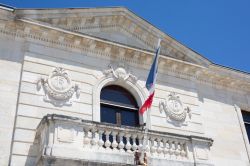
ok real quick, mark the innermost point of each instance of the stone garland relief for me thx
(174, 110)
(58, 88)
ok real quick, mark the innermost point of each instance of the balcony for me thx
(65, 140)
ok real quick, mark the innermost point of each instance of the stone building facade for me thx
(54, 64)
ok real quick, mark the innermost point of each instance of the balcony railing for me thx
(66, 139)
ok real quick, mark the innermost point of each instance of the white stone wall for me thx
(11, 56)
(222, 124)
(213, 113)
(22, 64)
(85, 70)
(40, 62)
(189, 97)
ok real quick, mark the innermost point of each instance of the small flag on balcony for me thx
(150, 84)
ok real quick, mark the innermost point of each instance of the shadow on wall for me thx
(32, 154)
(12, 50)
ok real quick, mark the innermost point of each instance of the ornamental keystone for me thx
(120, 73)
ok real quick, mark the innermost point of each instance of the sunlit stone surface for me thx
(56, 61)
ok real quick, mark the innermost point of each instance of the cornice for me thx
(6, 13)
(121, 17)
(130, 26)
(75, 42)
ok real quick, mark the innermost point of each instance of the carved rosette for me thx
(120, 73)
(58, 88)
(174, 108)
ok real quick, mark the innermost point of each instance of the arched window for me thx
(118, 106)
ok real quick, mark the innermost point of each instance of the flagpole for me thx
(145, 138)
(147, 126)
(149, 109)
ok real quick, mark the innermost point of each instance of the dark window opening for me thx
(118, 106)
(246, 119)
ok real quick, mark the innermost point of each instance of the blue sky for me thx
(217, 29)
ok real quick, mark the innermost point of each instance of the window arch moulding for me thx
(121, 77)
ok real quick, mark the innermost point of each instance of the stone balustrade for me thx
(64, 139)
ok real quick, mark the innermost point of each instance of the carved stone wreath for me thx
(174, 109)
(120, 73)
(58, 87)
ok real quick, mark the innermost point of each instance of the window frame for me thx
(246, 122)
(243, 129)
(134, 88)
(123, 107)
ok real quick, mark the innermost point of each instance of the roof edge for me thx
(11, 8)
(105, 7)
(7, 7)
(159, 33)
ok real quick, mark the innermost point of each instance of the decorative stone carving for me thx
(120, 73)
(174, 108)
(58, 88)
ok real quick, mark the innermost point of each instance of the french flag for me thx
(150, 84)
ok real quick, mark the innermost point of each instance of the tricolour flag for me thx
(150, 84)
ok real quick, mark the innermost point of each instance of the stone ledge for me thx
(55, 161)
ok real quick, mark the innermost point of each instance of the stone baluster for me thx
(152, 145)
(174, 148)
(114, 143)
(177, 149)
(140, 146)
(100, 141)
(121, 143)
(146, 143)
(128, 145)
(107, 142)
(86, 140)
(171, 148)
(159, 146)
(95, 138)
(165, 147)
(134, 146)
(183, 150)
